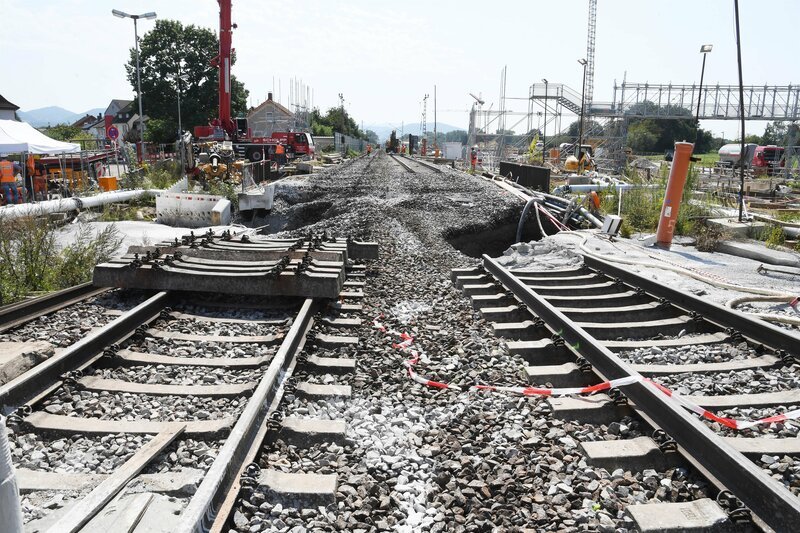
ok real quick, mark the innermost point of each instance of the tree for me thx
(591, 128)
(642, 137)
(161, 51)
(335, 120)
(775, 133)
(371, 137)
(65, 132)
(456, 136)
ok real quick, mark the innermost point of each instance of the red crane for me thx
(223, 63)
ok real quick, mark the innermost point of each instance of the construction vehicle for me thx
(761, 159)
(393, 144)
(299, 143)
(224, 127)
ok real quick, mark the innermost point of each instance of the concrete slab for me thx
(687, 340)
(181, 483)
(617, 299)
(45, 422)
(759, 446)
(299, 490)
(733, 228)
(597, 409)
(479, 301)
(334, 341)
(758, 252)
(541, 352)
(474, 279)
(643, 329)
(19, 357)
(468, 271)
(764, 399)
(228, 390)
(332, 365)
(525, 330)
(696, 516)
(128, 357)
(315, 391)
(630, 454)
(234, 339)
(303, 432)
(627, 313)
(763, 361)
(341, 322)
(563, 375)
(535, 278)
(165, 277)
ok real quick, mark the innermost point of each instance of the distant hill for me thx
(53, 115)
(385, 130)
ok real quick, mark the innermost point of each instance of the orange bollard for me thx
(674, 193)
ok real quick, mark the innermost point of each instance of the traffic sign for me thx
(113, 133)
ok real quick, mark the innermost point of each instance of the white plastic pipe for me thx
(72, 204)
(10, 509)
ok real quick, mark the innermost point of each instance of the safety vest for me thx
(279, 149)
(6, 172)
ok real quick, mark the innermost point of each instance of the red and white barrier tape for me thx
(407, 340)
(795, 303)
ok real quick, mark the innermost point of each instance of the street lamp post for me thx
(148, 16)
(580, 133)
(544, 131)
(179, 79)
(705, 49)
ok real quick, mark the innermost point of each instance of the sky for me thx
(385, 56)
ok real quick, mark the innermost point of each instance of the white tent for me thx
(18, 137)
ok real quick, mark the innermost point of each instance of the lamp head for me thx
(706, 48)
(118, 13)
(544, 80)
(151, 15)
(582, 62)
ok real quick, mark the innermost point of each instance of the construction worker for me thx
(473, 158)
(8, 183)
(369, 149)
(280, 156)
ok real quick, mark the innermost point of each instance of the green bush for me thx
(774, 237)
(31, 262)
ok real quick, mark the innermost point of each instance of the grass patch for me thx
(641, 207)
(31, 262)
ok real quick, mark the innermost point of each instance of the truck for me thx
(761, 159)
(300, 144)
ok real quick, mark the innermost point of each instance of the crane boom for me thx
(223, 62)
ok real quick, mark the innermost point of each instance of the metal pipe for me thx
(66, 205)
(10, 508)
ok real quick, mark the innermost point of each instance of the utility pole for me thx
(435, 145)
(341, 110)
(741, 109)
(579, 153)
(544, 131)
(705, 49)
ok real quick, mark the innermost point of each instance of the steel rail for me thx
(424, 163)
(18, 313)
(753, 328)
(765, 497)
(46, 375)
(402, 163)
(205, 505)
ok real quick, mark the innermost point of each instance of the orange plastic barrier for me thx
(674, 193)
(108, 183)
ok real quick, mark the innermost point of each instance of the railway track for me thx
(175, 381)
(349, 434)
(586, 326)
